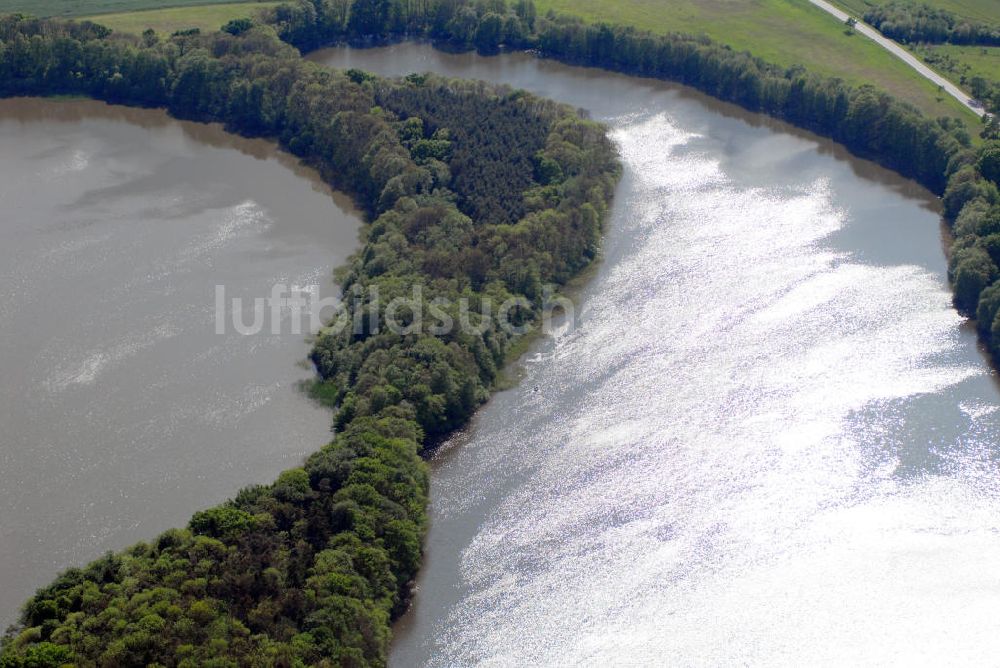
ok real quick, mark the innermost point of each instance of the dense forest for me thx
(472, 191)
(938, 153)
(909, 22)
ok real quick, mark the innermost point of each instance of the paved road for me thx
(904, 55)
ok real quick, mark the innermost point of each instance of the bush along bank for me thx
(937, 153)
(472, 191)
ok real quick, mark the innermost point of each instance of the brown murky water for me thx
(121, 409)
(770, 441)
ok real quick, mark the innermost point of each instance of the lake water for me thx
(121, 410)
(769, 441)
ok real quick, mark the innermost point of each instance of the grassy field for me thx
(44, 8)
(167, 21)
(972, 61)
(786, 32)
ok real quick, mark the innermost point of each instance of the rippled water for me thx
(769, 441)
(121, 411)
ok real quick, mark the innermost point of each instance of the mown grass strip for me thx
(78, 8)
(167, 21)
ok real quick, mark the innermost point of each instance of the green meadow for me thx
(168, 21)
(77, 8)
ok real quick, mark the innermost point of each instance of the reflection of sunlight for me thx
(74, 161)
(98, 362)
(698, 481)
(241, 220)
